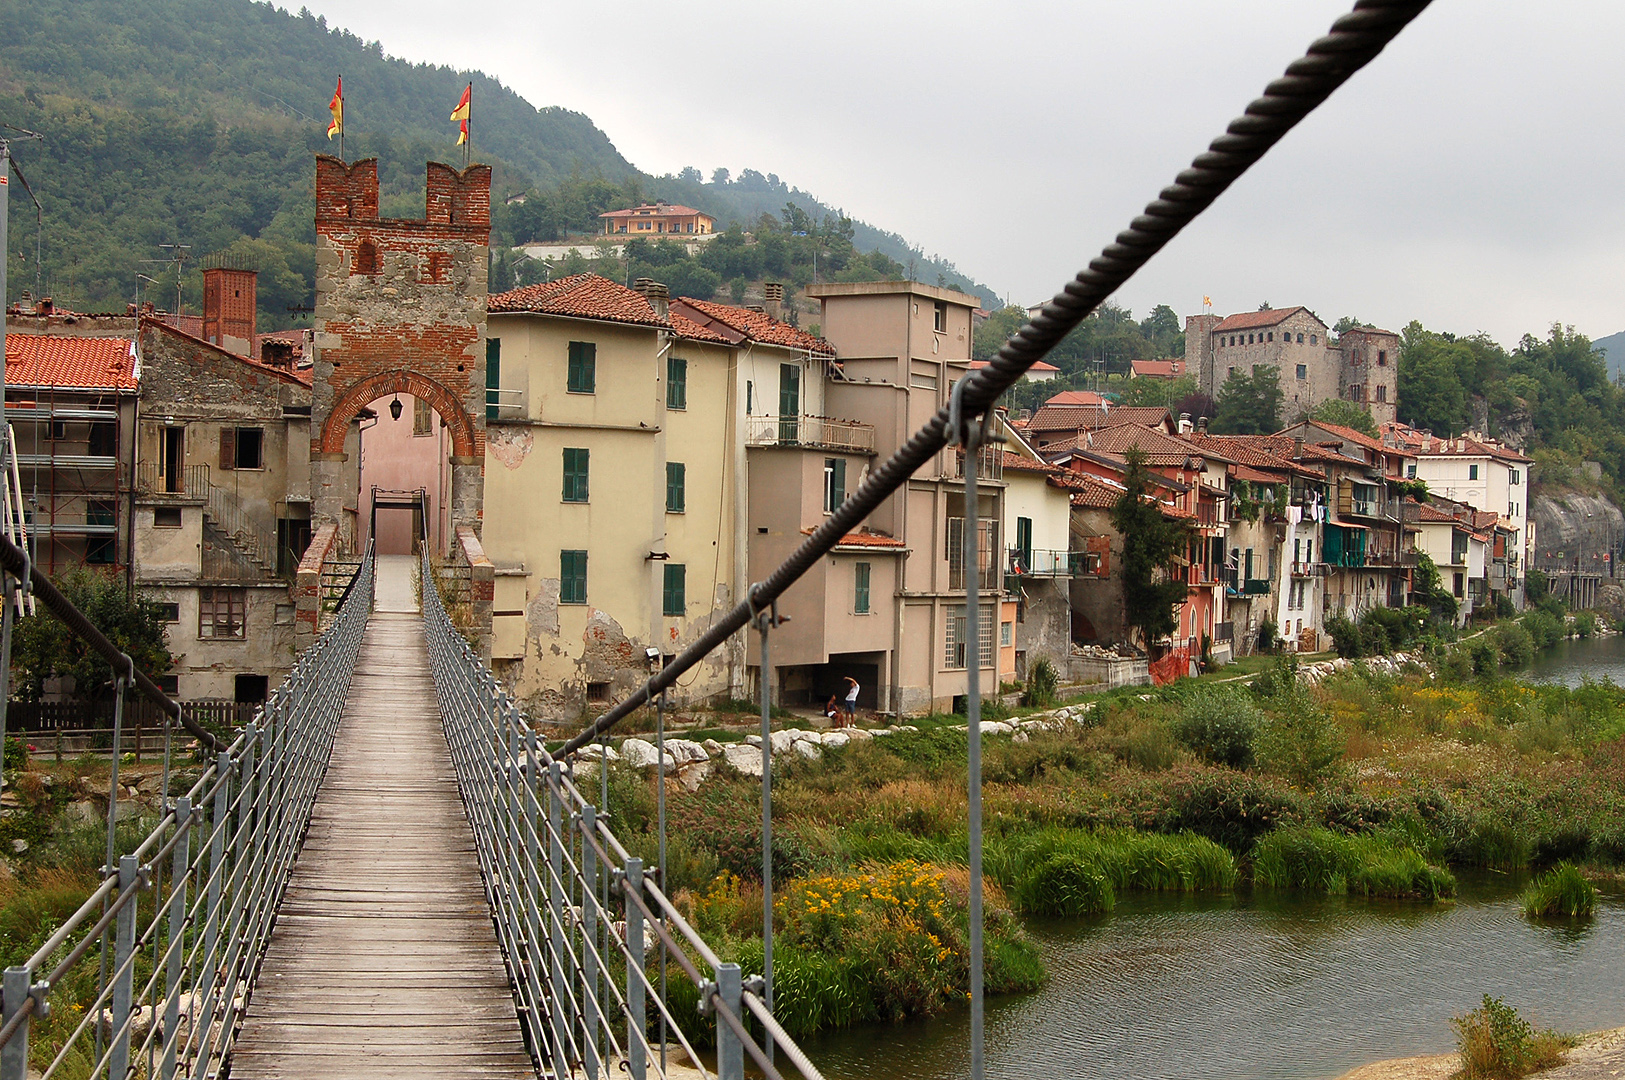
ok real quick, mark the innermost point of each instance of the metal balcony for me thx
(1046, 563)
(813, 432)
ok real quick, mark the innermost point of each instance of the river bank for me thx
(1600, 1056)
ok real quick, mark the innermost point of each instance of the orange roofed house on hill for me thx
(658, 219)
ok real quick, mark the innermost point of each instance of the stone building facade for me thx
(1361, 365)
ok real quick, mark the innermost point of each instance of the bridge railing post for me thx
(129, 878)
(561, 997)
(730, 1051)
(532, 957)
(637, 1024)
(176, 942)
(19, 984)
(591, 1007)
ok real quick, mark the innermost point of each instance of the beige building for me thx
(613, 453)
(900, 347)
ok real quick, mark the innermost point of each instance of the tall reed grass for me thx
(1069, 872)
(1309, 857)
(1561, 892)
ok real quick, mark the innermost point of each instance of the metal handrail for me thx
(215, 866)
(551, 868)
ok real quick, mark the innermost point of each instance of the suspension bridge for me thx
(387, 874)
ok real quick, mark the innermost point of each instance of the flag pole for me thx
(341, 121)
(468, 146)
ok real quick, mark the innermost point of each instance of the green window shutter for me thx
(575, 474)
(834, 483)
(673, 600)
(493, 376)
(572, 577)
(860, 601)
(1024, 541)
(582, 376)
(676, 478)
(676, 382)
(789, 402)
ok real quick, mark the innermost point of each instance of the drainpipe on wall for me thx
(741, 561)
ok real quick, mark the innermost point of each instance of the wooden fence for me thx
(64, 729)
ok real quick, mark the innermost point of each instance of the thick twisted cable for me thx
(1353, 42)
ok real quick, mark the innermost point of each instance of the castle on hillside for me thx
(1361, 365)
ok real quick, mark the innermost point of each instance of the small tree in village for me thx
(1150, 542)
(43, 648)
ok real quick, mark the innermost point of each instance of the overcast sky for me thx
(1469, 177)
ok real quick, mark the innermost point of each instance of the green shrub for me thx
(1280, 677)
(1545, 629)
(1219, 724)
(1068, 872)
(1486, 659)
(1346, 637)
(16, 753)
(1229, 808)
(1268, 635)
(1585, 625)
(1307, 857)
(1301, 742)
(1514, 645)
(1042, 684)
(1560, 892)
(1497, 1044)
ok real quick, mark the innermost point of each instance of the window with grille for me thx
(675, 482)
(493, 378)
(575, 474)
(954, 653)
(860, 597)
(581, 377)
(673, 596)
(572, 577)
(222, 614)
(834, 483)
(676, 382)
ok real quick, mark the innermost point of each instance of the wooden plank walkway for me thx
(383, 961)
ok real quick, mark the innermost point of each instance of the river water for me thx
(1262, 987)
(1271, 986)
(1571, 661)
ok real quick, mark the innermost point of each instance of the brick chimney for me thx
(773, 299)
(229, 309)
(658, 295)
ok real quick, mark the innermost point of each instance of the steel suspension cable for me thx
(1354, 41)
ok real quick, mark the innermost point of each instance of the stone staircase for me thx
(255, 545)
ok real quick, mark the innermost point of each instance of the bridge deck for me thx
(383, 961)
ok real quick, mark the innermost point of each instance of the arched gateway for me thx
(400, 308)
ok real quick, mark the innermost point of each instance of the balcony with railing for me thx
(989, 464)
(179, 482)
(1238, 585)
(813, 432)
(1386, 557)
(1046, 563)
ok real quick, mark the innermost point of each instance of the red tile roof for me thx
(864, 538)
(1061, 417)
(305, 376)
(1159, 447)
(1091, 491)
(688, 328)
(1157, 369)
(70, 362)
(1252, 320)
(1075, 397)
(1021, 463)
(1369, 330)
(1037, 365)
(581, 296)
(1429, 513)
(1416, 443)
(759, 326)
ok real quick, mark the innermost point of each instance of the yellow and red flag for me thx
(336, 107)
(461, 112)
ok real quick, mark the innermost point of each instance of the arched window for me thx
(366, 258)
(1312, 340)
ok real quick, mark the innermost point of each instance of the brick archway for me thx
(467, 441)
(400, 308)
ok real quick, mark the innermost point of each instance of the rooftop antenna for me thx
(179, 254)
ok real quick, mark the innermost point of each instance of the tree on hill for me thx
(1150, 543)
(1249, 403)
(1349, 414)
